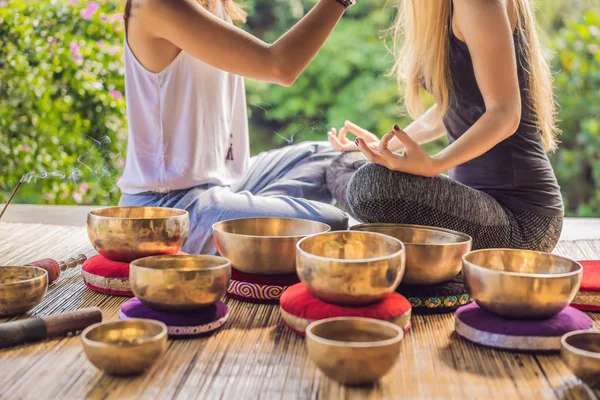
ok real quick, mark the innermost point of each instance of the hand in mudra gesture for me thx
(340, 142)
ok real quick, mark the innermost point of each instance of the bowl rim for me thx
(348, 260)
(576, 350)
(339, 343)
(155, 338)
(523, 274)
(466, 238)
(214, 228)
(181, 213)
(44, 275)
(226, 262)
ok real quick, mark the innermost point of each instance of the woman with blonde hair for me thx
(188, 143)
(483, 64)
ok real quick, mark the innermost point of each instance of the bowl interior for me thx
(351, 245)
(414, 234)
(522, 262)
(10, 275)
(125, 333)
(354, 330)
(182, 263)
(587, 341)
(271, 227)
(138, 212)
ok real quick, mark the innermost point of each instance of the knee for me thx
(364, 184)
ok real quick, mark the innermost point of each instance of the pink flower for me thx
(116, 18)
(115, 94)
(74, 47)
(77, 197)
(93, 7)
(113, 50)
(52, 40)
(84, 187)
(86, 14)
(73, 2)
(104, 18)
(2, 3)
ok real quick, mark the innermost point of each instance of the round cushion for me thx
(265, 289)
(106, 276)
(436, 299)
(299, 308)
(588, 297)
(486, 329)
(179, 324)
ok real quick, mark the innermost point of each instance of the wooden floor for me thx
(254, 355)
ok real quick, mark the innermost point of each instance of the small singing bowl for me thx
(128, 233)
(353, 350)
(180, 282)
(580, 351)
(350, 267)
(21, 289)
(521, 284)
(127, 347)
(263, 246)
(433, 255)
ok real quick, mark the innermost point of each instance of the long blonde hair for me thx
(233, 9)
(422, 46)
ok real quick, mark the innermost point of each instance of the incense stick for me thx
(13, 194)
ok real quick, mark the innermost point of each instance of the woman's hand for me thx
(340, 142)
(413, 160)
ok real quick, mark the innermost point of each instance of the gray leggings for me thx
(373, 193)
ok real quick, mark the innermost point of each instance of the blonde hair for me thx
(234, 10)
(422, 45)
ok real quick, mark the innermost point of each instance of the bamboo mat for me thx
(254, 356)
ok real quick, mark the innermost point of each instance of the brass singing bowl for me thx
(127, 347)
(263, 246)
(353, 350)
(521, 284)
(128, 233)
(350, 267)
(180, 282)
(433, 255)
(21, 289)
(580, 351)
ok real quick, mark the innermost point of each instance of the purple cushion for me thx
(179, 324)
(481, 327)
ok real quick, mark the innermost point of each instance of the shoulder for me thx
(476, 15)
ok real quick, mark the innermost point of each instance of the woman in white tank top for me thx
(188, 143)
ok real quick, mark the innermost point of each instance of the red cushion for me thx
(263, 289)
(588, 297)
(299, 308)
(105, 276)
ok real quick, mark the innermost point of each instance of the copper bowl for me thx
(21, 289)
(433, 255)
(521, 284)
(580, 350)
(128, 233)
(263, 246)
(353, 350)
(350, 267)
(180, 282)
(125, 347)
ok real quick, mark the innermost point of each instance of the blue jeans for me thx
(287, 182)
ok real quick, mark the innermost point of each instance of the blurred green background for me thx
(62, 106)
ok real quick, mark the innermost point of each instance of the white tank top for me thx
(188, 126)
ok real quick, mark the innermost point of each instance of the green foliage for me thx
(61, 76)
(61, 108)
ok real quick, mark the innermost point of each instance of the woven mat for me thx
(254, 356)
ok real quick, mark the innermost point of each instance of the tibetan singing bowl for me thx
(180, 282)
(353, 350)
(521, 284)
(125, 347)
(128, 233)
(263, 246)
(350, 267)
(21, 289)
(433, 255)
(580, 350)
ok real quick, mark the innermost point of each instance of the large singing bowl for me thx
(263, 246)
(350, 267)
(521, 284)
(128, 233)
(21, 289)
(433, 255)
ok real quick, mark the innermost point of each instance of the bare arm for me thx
(487, 31)
(193, 29)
